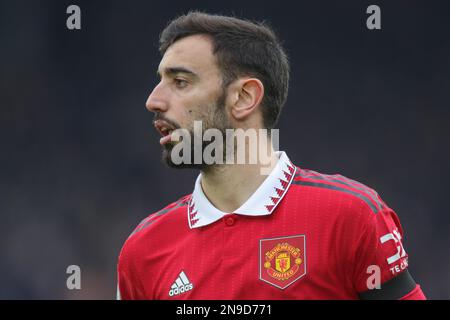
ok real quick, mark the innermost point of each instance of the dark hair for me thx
(242, 48)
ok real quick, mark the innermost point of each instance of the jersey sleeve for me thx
(129, 286)
(131, 270)
(381, 261)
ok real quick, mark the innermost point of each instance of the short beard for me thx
(219, 121)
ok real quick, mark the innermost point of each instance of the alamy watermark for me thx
(74, 280)
(73, 21)
(373, 22)
(229, 146)
(374, 280)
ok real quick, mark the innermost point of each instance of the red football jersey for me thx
(301, 235)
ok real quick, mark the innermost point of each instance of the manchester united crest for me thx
(282, 260)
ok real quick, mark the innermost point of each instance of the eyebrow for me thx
(172, 71)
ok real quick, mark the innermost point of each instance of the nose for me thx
(156, 101)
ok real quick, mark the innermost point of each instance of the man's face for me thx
(190, 90)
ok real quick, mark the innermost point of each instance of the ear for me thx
(248, 94)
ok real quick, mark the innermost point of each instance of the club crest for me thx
(282, 260)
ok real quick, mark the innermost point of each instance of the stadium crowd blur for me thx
(80, 159)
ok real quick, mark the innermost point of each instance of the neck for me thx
(228, 186)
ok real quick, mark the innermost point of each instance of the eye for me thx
(180, 83)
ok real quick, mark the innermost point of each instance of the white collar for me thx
(263, 201)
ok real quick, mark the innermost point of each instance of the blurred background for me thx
(80, 161)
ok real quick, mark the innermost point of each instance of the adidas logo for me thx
(181, 285)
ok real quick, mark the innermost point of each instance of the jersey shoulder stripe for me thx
(183, 201)
(340, 183)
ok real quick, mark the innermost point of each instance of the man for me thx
(289, 234)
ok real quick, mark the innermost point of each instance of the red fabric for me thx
(416, 294)
(223, 260)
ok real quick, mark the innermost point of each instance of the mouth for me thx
(165, 130)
